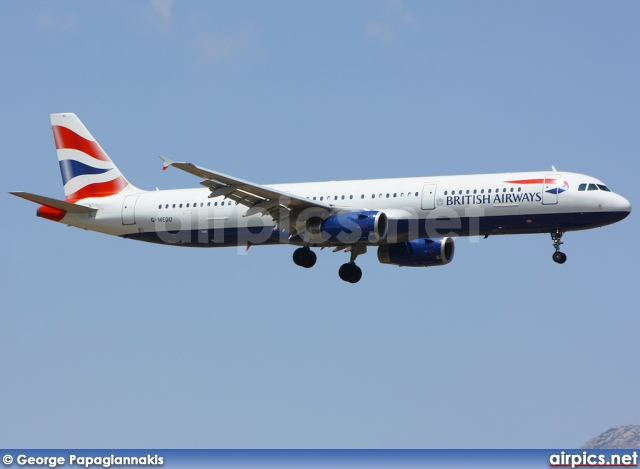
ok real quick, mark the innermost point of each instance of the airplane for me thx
(412, 221)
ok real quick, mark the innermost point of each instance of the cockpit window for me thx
(592, 187)
(602, 187)
(582, 187)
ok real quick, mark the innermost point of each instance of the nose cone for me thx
(623, 204)
(620, 206)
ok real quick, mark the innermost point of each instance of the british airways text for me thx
(506, 198)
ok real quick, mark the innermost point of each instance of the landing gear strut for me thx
(559, 257)
(304, 257)
(350, 272)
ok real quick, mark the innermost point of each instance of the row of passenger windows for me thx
(321, 198)
(195, 204)
(475, 191)
(362, 196)
(593, 187)
(581, 187)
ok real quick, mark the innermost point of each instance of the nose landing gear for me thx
(559, 257)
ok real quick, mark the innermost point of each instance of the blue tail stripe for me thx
(73, 168)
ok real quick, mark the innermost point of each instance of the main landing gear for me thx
(559, 257)
(304, 257)
(349, 272)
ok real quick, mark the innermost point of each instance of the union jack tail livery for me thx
(87, 171)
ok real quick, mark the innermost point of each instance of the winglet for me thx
(166, 162)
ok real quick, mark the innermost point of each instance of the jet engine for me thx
(349, 228)
(422, 252)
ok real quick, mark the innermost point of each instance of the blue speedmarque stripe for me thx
(73, 168)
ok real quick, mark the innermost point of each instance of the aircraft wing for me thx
(256, 197)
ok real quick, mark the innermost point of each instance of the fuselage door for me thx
(429, 197)
(550, 189)
(129, 210)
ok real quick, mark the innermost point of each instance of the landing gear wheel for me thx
(304, 257)
(350, 272)
(559, 257)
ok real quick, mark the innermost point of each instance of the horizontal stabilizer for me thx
(55, 203)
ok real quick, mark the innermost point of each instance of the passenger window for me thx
(489, 191)
(351, 197)
(321, 197)
(475, 191)
(395, 194)
(166, 206)
(160, 206)
(467, 191)
(187, 205)
(174, 206)
(603, 188)
(342, 197)
(417, 193)
(180, 205)
(592, 187)
(208, 204)
(482, 191)
(511, 189)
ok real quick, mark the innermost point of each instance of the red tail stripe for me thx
(99, 189)
(67, 138)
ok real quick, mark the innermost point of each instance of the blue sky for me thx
(114, 343)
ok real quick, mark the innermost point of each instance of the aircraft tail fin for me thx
(87, 171)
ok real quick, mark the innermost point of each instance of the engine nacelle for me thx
(349, 228)
(423, 252)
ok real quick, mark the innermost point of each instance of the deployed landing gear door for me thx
(429, 197)
(129, 210)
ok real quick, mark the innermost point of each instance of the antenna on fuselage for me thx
(554, 169)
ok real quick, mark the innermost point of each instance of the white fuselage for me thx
(506, 203)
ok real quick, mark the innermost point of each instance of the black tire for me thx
(304, 257)
(358, 276)
(349, 272)
(559, 257)
(311, 261)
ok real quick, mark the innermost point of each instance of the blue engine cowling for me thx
(348, 228)
(423, 252)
